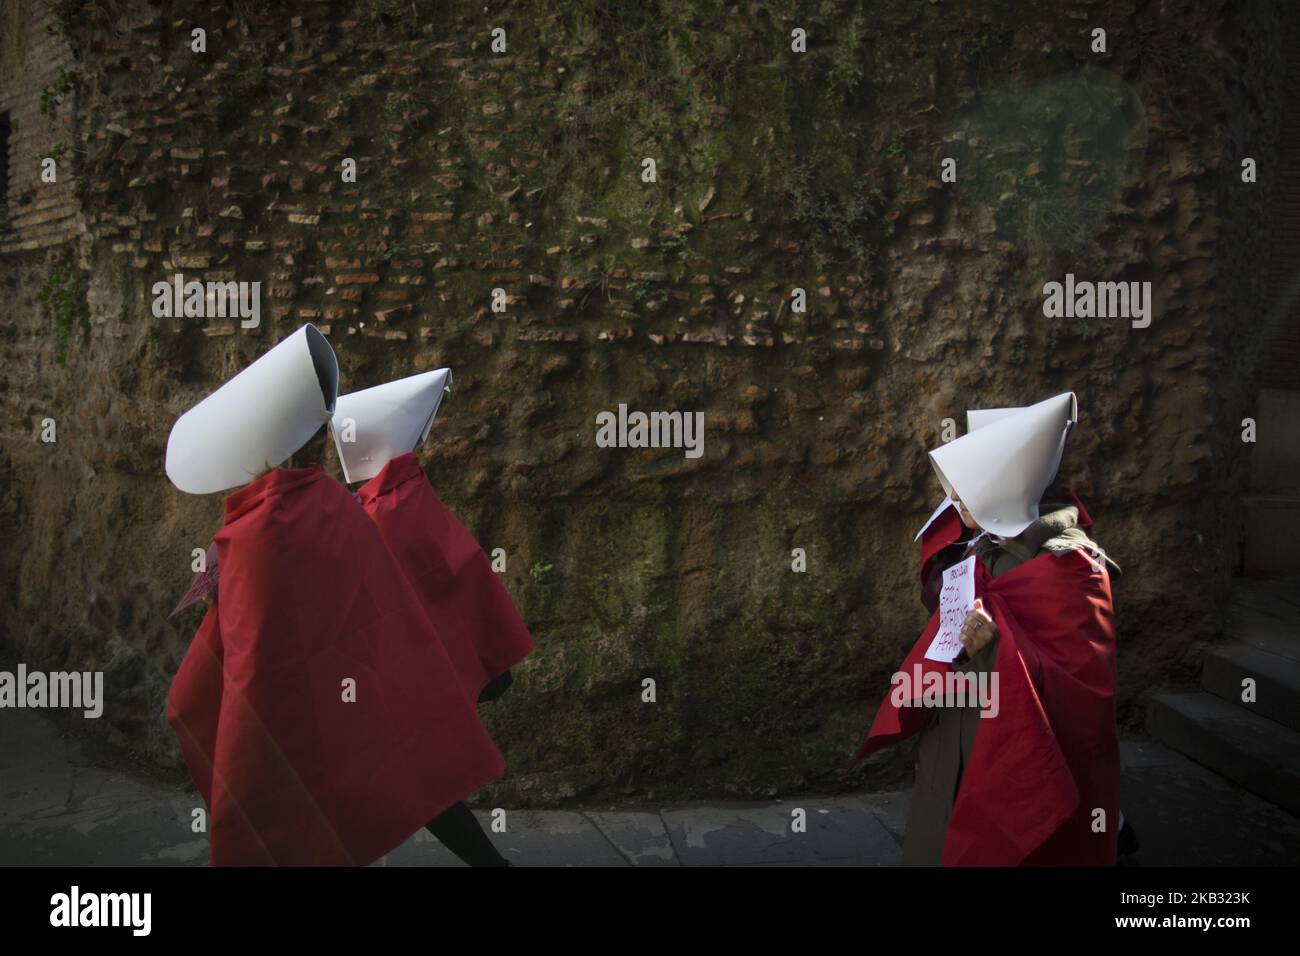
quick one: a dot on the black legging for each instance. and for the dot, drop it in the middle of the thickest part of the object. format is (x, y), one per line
(457, 828)
(460, 832)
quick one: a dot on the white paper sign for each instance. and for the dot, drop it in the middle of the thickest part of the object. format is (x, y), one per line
(956, 600)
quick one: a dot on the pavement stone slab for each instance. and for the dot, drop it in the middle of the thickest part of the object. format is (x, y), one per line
(532, 838)
(641, 837)
(58, 808)
(838, 829)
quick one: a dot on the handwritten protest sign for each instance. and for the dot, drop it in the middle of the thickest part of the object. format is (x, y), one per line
(956, 600)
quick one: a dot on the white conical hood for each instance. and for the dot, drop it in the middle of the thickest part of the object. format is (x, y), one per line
(975, 418)
(258, 418)
(1001, 468)
(375, 425)
(979, 417)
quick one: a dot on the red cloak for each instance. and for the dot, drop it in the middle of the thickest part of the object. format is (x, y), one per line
(292, 773)
(946, 528)
(1050, 758)
(476, 619)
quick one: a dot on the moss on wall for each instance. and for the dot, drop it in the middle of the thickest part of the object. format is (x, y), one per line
(521, 171)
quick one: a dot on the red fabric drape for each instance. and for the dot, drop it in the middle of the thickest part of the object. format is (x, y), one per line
(464, 597)
(292, 773)
(1040, 769)
(947, 528)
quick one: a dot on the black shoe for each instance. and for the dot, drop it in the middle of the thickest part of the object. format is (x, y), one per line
(1128, 840)
(496, 687)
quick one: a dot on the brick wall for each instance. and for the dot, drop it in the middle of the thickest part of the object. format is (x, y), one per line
(33, 55)
(520, 171)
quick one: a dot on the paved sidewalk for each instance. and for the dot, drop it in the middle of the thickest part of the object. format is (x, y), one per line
(57, 807)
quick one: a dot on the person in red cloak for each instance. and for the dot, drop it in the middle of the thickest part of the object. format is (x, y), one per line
(376, 431)
(317, 711)
(1028, 775)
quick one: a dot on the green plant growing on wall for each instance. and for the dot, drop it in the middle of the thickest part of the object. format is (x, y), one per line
(233, 96)
(52, 95)
(981, 52)
(251, 81)
(845, 72)
(661, 85)
(837, 211)
(542, 592)
(395, 249)
(639, 290)
(598, 282)
(675, 250)
(63, 301)
(397, 118)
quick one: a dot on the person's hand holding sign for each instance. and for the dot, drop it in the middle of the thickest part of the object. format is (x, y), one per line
(978, 629)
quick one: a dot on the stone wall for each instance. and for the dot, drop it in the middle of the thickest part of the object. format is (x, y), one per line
(523, 171)
(40, 107)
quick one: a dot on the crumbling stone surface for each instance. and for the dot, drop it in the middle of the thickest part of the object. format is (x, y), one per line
(523, 171)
